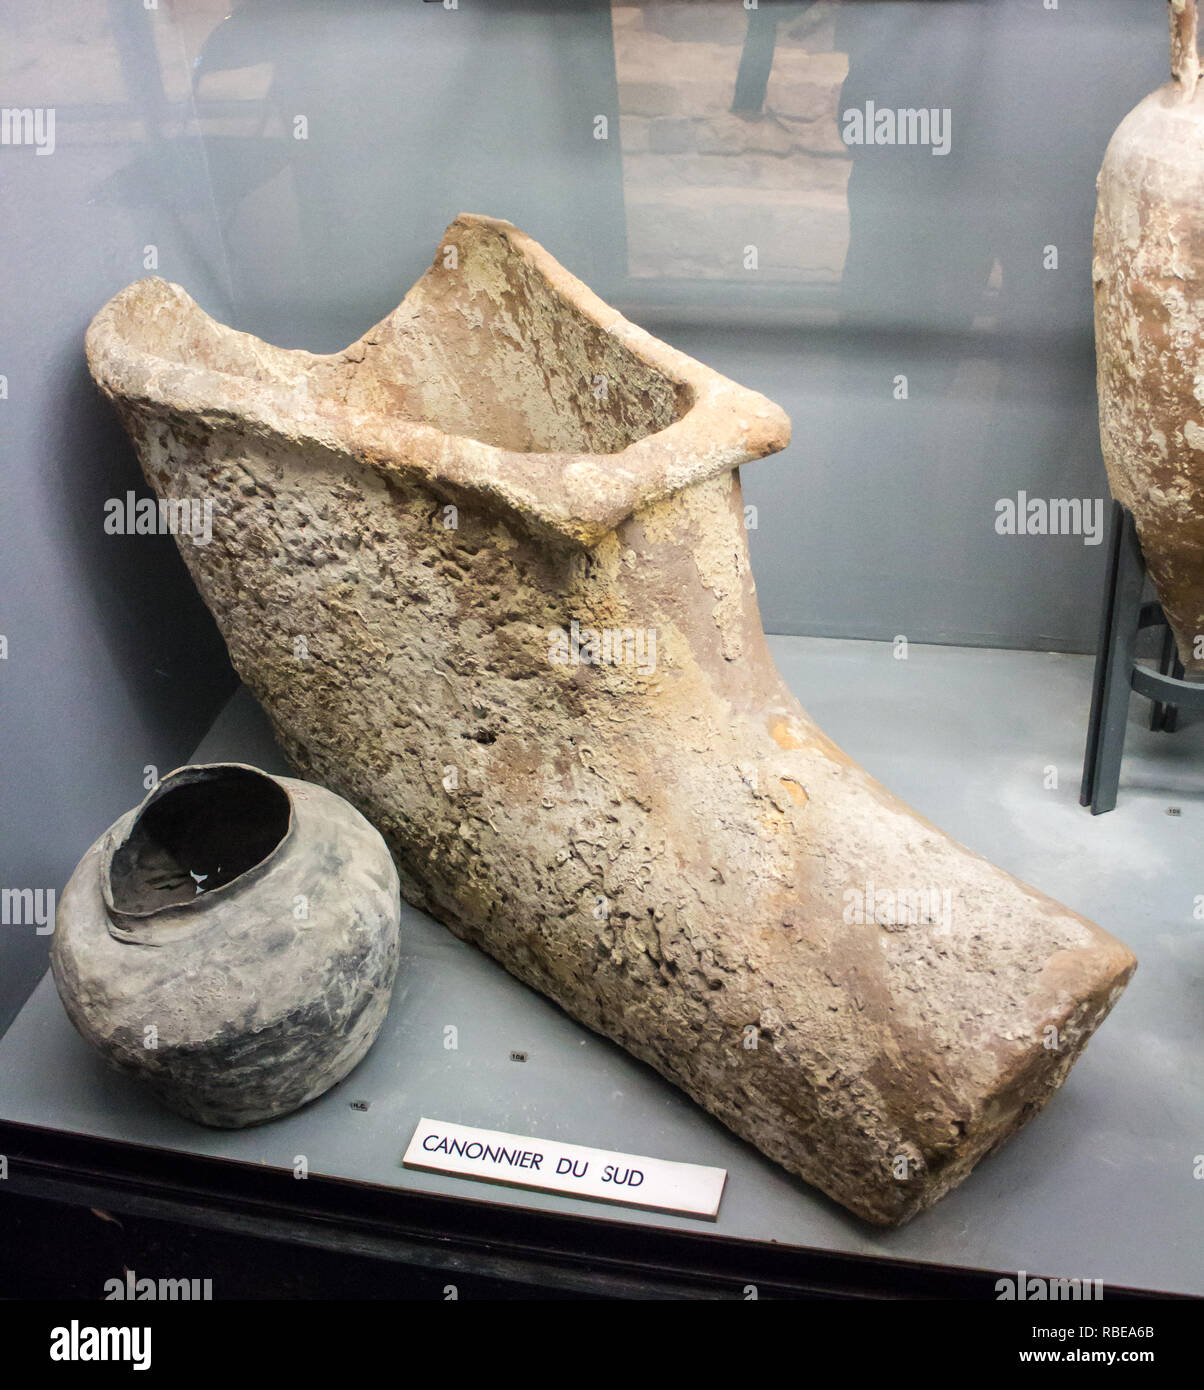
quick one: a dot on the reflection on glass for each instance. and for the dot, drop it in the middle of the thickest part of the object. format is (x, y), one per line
(732, 154)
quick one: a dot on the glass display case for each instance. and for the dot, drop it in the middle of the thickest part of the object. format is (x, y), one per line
(876, 216)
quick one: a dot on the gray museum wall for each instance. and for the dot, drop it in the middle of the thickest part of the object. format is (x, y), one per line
(112, 662)
(293, 164)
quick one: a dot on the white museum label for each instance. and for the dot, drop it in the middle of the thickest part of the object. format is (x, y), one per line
(547, 1165)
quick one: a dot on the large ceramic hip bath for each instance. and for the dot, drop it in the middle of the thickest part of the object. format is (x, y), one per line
(487, 570)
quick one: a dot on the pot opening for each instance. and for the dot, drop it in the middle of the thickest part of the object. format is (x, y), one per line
(203, 828)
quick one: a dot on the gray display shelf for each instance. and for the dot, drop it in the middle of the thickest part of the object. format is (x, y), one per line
(1101, 1185)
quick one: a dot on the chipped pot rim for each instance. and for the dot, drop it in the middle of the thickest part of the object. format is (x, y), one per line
(168, 922)
(579, 497)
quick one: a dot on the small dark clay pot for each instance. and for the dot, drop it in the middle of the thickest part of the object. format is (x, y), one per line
(231, 942)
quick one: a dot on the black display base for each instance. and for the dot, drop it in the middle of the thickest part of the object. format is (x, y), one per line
(1117, 672)
(78, 1208)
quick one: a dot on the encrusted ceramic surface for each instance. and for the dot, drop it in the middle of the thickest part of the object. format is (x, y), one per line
(488, 572)
(1149, 319)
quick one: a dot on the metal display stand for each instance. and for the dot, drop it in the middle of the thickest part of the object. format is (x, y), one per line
(1117, 672)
